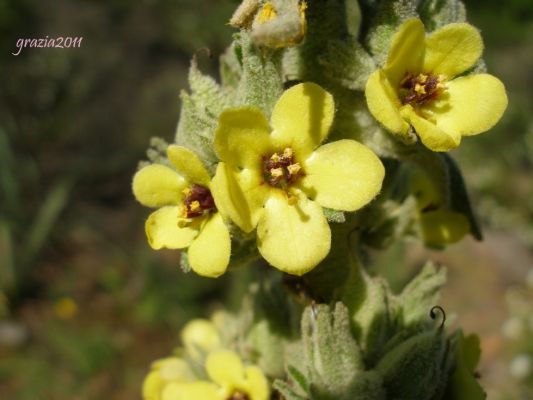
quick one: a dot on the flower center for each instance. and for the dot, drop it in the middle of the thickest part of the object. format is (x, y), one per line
(198, 201)
(417, 90)
(280, 170)
(238, 396)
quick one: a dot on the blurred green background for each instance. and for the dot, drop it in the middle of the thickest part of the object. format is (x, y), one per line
(85, 305)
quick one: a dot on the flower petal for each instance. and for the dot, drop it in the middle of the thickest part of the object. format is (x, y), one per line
(200, 333)
(162, 229)
(452, 49)
(188, 391)
(293, 238)
(406, 52)
(433, 137)
(239, 195)
(188, 164)
(257, 384)
(225, 368)
(442, 227)
(242, 137)
(384, 104)
(175, 369)
(152, 386)
(343, 175)
(302, 117)
(209, 253)
(472, 104)
(157, 185)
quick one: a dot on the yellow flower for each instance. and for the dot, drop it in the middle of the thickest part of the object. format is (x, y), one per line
(419, 86)
(439, 226)
(163, 373)
(187, 214)
(278, 180)
(200, 336)
(66, 308)
(229, 380)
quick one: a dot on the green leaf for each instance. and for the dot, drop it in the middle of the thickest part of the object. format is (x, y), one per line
(347, 63)
(334, 215)
(463, 384)
(412, 369)
(420, 295)
(459, 200)
(331, 353)
(437, 13)
(298, 377)
(261, 83)
(287, 391)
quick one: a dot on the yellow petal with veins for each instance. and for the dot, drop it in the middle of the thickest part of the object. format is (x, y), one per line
(225, 368)
(452, 49)
(432, 136)
(163, 231)
(293, 238)
(342, 175)
(209, 253)
(301, 118)
(257, 384)
(443, 227)
(200, 333)
(471, 105)
(383, 103)
(191, 390)
(188, 164)
(242, 137)
(239, 195)
(406, 53)
(157, 185)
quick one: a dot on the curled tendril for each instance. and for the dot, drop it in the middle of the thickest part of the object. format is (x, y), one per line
(433, 314)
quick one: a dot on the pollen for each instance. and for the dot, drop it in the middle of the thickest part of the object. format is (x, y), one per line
(294, 169)
(197, 202)
(420, 89)
(280, 170)
(267, 13)
(276, 172)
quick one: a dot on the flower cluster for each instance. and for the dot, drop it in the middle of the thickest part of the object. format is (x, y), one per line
(273, 178)
(422, 86)
(204, 370)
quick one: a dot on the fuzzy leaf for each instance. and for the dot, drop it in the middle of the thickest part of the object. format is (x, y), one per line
(299, 378)
(420, 295)
(199, 115)
(334, 215)
(385, 20)
(368, 300)
(347, 63)
(412, 370)
(261, 84)
(463, 384)
(437, 13)
(332, 356)
(288, 392)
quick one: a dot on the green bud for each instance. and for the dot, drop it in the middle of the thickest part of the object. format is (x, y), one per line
(413, 369)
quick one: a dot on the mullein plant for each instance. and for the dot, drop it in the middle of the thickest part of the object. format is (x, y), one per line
(326, 137)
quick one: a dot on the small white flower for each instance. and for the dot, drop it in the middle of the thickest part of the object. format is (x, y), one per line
(520, 367)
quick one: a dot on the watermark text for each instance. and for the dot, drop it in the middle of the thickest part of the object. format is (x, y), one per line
(59, 42)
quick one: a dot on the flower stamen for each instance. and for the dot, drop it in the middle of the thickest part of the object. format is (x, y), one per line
(417, 90)
(198, 201)
(280, 170)
(239, 396)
